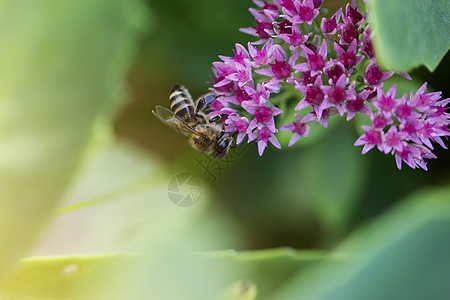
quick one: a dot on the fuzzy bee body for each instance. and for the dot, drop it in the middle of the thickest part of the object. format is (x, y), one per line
(181, 103)
(202, 132)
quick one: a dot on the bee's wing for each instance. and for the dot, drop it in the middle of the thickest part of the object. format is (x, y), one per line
(168, 117)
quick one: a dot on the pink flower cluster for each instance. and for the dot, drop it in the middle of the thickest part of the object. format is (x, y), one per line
(330, 65)
(407, 127)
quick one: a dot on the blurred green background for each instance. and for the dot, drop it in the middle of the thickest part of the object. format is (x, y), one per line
(316, 221)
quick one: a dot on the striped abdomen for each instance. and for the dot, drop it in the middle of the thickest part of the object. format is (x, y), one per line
(181, 103)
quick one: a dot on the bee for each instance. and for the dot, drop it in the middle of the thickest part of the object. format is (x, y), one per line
(202, 132)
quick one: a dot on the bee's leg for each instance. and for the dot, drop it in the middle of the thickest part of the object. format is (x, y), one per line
(218, 117)
(223, 127)
(204, 102)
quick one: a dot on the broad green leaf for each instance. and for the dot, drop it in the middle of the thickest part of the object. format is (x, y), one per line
(261, 265)
(61, 80)
(408, 33)
(66, 277)
(404, 254)
(87, 277)
(283, 253)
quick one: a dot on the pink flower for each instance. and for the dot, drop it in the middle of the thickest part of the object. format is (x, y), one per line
(222, 70)
(269, 8)
(237, 124)
(263, 56)
(241, 56)
(263, 135)
(298, 128)
(295, 38)
(264, 28)
(337, 94)
(316, 60)
(314, 95)
(394, 140)
(422, 101)
(356, 104)
(352, 14)
(371, 138)
(334, 71)
(331, 25)
(348, 57)
(260, 95)
(242, 74)
(367, 47)
(284, 26)
(281, 68)
(348, 34)
(240, 95)
(379, 120)
(374, 78)
(263, 114)
(386, 103)
(306, 12)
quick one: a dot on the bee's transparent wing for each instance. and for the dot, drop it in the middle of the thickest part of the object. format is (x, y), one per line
(168, 117)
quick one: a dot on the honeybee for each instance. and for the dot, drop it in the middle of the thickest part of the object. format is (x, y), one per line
(202, 132)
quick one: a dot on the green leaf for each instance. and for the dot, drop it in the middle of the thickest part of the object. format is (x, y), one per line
(404, 254)
(87, 277)
(408, 33)
(68, 277)
(61, 81)
(283, 253)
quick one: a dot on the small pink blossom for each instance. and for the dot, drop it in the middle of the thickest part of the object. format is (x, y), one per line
(393, 140)
(352, 14)
(331, 26)
(260, 95)
(298, 128)
(281, 68)
(235, 123)
(263, 114)
(263, 56)
(306, 12)
(241, 56)
(356, 104)
(374, 78)
(242, 74)
(295, 38)
(337, 94)
(386, 103)
(367, 47)
(316, 60)
(348, 57)
(334, 71)
(263, 135)
(371, 138)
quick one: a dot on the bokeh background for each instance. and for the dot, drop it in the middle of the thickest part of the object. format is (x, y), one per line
(315, 221)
